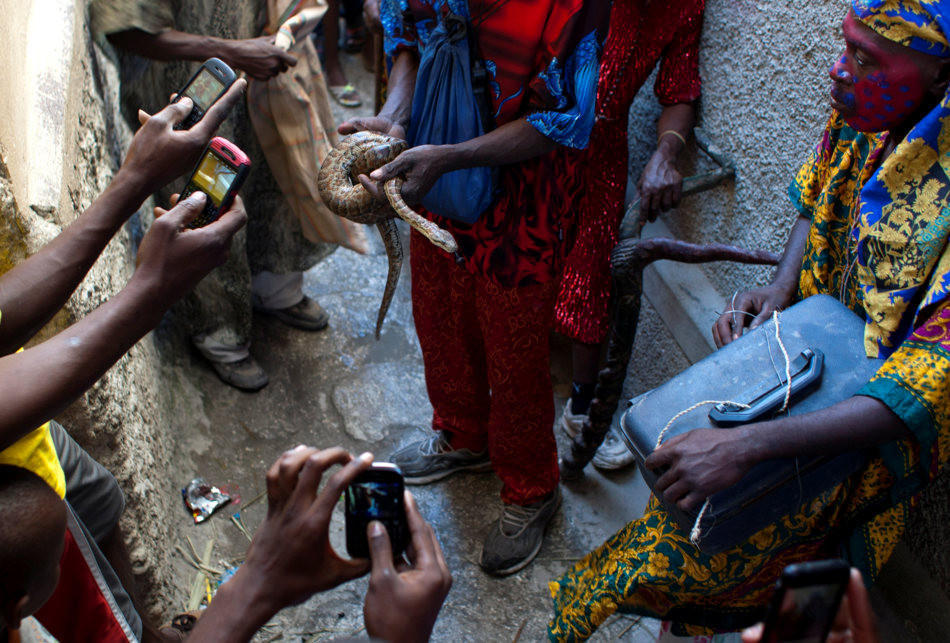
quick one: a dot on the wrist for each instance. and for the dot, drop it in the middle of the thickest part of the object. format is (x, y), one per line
(132, 186)
(248, 603)
(669, 145)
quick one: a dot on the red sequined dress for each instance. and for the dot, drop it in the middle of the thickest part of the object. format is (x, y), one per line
(642, 32)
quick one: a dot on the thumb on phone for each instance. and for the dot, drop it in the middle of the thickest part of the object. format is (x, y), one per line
(380, 552)
(187, 210)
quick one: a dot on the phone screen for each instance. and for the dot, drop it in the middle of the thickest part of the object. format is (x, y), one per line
(214, 177)
(204, 90)
(375, 500)
(805, 613)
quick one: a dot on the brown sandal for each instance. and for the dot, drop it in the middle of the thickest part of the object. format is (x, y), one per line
(180, 626)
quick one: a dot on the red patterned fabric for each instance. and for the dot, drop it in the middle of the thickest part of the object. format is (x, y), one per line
(523, 239)
(641, 33)
(77, 612)
(487, 368)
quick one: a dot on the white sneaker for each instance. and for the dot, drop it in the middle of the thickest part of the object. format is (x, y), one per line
(571, 423)
(613, 453)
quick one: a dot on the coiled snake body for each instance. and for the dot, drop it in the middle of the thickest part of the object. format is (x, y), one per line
(342, 192)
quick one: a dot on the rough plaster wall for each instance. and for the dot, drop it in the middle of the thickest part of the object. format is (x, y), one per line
(122, 420)
(765, 101)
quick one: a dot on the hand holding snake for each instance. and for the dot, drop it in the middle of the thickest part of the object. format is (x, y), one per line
(345, 193)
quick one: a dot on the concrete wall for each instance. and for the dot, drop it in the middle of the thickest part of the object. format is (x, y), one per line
(765, 101)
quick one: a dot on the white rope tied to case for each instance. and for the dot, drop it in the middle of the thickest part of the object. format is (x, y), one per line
(696, 532)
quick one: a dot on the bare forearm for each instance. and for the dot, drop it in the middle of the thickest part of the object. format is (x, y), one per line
(42, 381)
(680, 119)
(511, 143)
(790, 265)
(238, 610)
(402, 84)
(170, 45)
(33, 291)
(856, 423)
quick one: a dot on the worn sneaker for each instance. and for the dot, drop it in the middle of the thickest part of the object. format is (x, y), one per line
(434, 458)
(613, 453)
(305, 315)
(245, 374)
(516, 538)
(571, 423)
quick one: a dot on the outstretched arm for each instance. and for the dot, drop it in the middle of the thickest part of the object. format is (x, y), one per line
(258, 57)
(33, 291)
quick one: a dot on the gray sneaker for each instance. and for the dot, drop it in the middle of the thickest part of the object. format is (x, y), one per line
(516, 538)
(434, 458)
(245, 374)
(613, 453)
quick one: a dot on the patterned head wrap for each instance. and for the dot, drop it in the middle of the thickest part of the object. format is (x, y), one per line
(918, 24)
(904, 224)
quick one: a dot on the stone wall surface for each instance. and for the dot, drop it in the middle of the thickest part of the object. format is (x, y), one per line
(765, 66)
(122, 420)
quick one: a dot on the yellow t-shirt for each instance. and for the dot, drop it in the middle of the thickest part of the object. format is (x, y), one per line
(35, 452)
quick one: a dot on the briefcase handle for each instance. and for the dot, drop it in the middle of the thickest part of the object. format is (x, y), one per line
(806, 371)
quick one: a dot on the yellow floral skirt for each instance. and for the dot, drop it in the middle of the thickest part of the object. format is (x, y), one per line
(650, 567)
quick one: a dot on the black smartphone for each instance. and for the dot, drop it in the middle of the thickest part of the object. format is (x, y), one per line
(806, 602)
(219, 174)
(208, 84)
(376, 494)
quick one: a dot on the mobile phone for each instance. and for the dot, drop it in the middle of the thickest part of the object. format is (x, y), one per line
(376, 494)
(806, 602)
(208, 84)
(219, 174)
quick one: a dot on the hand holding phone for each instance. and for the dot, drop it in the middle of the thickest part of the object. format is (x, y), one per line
(159, 154)
(806, 601)
(208, 84)
(377, 494)
(403, 601)
(220, 173)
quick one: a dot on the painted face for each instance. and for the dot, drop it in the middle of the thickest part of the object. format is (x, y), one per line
(874, 89)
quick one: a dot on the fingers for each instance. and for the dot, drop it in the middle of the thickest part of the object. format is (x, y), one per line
(143, 117)
(675, 491)
(422, 541)
(662, 457)
(339, 481)
(666, 198)
(287, 59)
(692, 501)
(739, 314)
(380, 552)
(677, 192)
(173, 113)
(859, 607)
(389, 171)
(373, 188)
(231, 221)
(354, 125)
(763, 316)
(186, 211)
(216, 114)
(753, 634)
(311, 472)
(282, 476)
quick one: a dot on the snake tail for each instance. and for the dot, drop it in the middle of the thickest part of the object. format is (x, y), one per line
(390, 234)
(432, 232)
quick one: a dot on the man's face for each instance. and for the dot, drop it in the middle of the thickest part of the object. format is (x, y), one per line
(877, 84)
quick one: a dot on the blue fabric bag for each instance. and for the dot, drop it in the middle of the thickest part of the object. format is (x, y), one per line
(446, 110)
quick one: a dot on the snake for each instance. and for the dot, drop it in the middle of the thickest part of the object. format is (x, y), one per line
(344, 195)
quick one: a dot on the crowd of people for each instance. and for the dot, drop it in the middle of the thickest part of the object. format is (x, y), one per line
(872, 231)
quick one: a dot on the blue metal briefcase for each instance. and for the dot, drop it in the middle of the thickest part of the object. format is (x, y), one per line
(825, 344)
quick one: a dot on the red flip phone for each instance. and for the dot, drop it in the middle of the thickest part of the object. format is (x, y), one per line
(219, 174)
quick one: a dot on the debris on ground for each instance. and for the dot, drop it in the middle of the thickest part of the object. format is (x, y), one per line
(203, 499)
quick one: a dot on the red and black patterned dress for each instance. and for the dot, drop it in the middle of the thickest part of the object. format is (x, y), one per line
(483, 324)
(642, 32)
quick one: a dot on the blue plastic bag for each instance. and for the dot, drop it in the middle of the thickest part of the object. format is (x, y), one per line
(445, 111)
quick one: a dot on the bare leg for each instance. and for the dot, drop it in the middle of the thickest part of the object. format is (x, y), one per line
(586, 362)
(331, 45)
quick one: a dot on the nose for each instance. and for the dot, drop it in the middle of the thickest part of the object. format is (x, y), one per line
(839, 72)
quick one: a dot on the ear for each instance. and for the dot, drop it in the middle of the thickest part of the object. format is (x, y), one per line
(14, 611)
